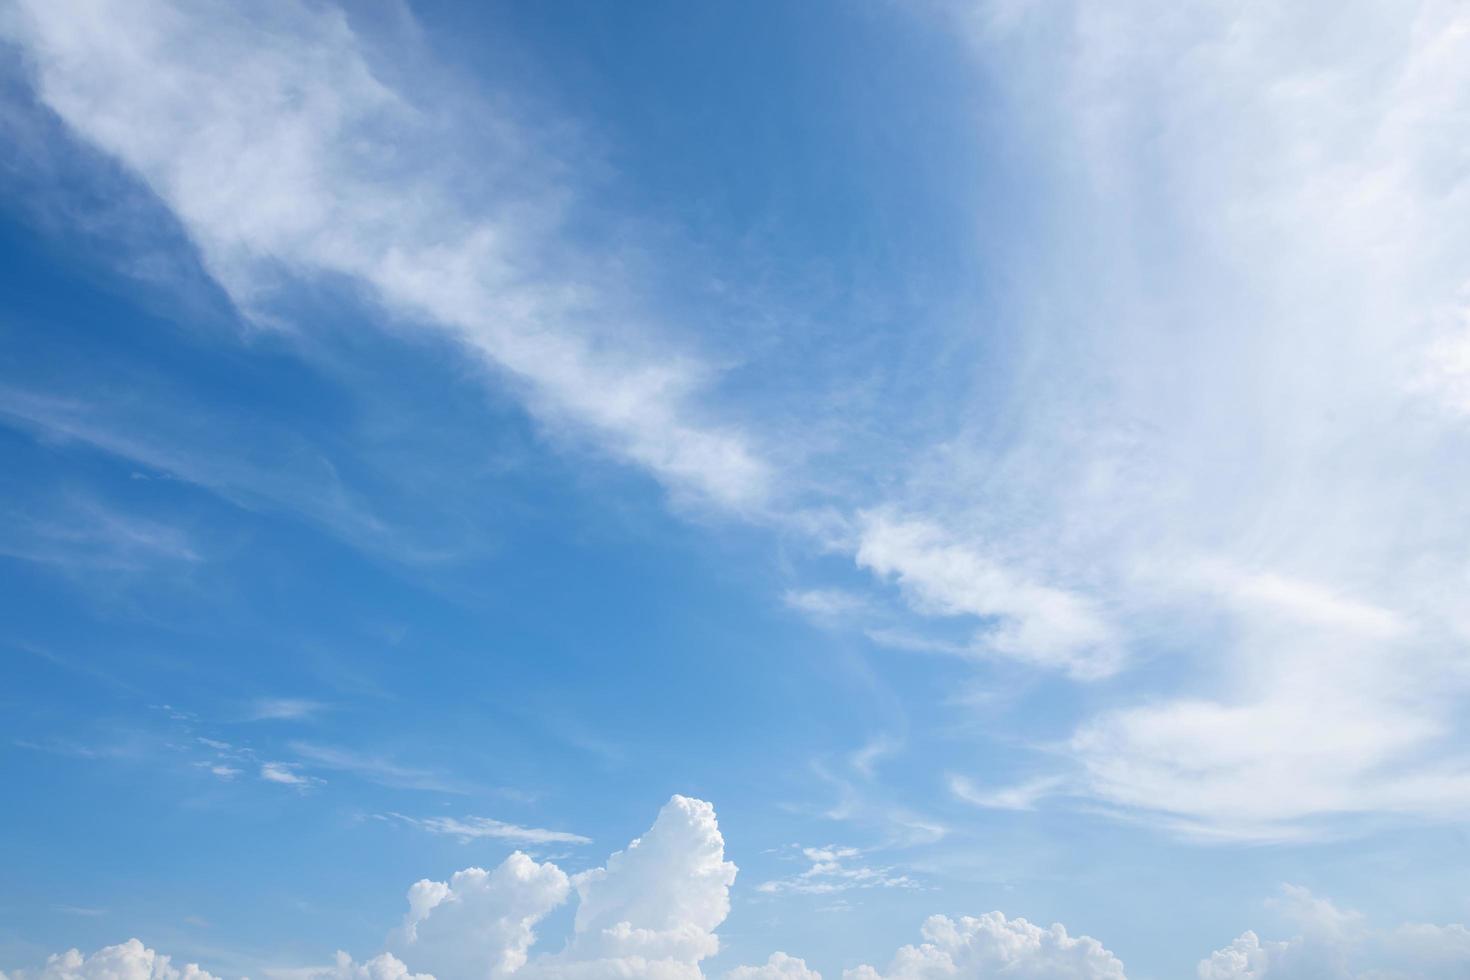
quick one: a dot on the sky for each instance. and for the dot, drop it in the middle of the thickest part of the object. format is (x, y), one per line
(747, 491)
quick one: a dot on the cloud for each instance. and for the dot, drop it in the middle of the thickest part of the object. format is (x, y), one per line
(284, 773)
(653, 910)
(126, 961)
(1034, 622)
(1233, 429)
(1223, 419)
(831, 872)
(1338, 944)
(825, 605)
(475, 828)
(283, 709)
(286, 156)
(778, 967)
(384, 772)
(865, 760)
(152, 424)
(79, 533)
(384, 966)
(479, 923)
(994, 946)
(1023, 796)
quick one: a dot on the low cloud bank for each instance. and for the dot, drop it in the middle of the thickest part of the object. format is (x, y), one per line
(653, 910)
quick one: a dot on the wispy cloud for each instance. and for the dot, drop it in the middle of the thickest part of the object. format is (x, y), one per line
(1022, 796)
(376, 769)
(466, 829)
(317, 137)
(285, 773)
(1261, 373)
(77, 532)
(221, 770)
(834, 869)
(1032, 621)
(82, 910)
(283, 709)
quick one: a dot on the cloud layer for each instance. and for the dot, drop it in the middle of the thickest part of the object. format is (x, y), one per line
(653, 912)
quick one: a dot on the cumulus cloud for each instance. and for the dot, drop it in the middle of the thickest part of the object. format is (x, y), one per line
(384, 966)
(778, 967)
(994, 946)
(479, 923)
(651, 913)
(126, 961)
(1340, 944)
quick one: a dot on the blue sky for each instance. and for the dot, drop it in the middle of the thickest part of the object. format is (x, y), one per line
(923, 472)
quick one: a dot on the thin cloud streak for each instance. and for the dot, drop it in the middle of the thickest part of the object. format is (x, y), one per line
(466, 829)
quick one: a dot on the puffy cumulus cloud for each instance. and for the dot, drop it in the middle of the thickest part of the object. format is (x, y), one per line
(1337, 944)
(479, 922)
(134, 961)
(644, 926)
(778, 967)
(384, 966)
(994, 946)
(650, 912)
(653, 910)
(125, 961)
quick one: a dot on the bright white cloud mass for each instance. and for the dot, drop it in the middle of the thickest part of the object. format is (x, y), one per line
(1010, 452)
(652, 912)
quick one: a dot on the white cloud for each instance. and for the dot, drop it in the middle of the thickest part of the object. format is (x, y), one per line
(652, 912)
(384, 966)
(826, 605)
(831, 870)
(865, 760)
(994, 946)
(778, 967)
(1034, 622)
(78, 533)
(1237, 382)
(284, 773)
(479, 923)
(284, 155)
(475, 828)
(1023, 796)
(375, 768)
(283, 709)
(1226, 434)
(126, 961)
(1341, 945)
